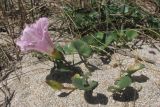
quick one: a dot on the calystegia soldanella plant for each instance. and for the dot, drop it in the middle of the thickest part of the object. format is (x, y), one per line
(35, 37)
(98, 27)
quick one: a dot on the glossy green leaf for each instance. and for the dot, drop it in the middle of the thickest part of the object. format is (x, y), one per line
(69, 49)
(120, 84)
(123, 82)
(54, 84)
(82, 47)
(131, 34)
(82, 84)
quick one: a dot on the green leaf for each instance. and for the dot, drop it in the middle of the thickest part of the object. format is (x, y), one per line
(54, 84)
(132, 69)
(93, 39)
(99, 35)
(82, 84)
(131, 34)
(69, 49)
(82, 47)
(123, 82)
(110, 38)
(89, 39)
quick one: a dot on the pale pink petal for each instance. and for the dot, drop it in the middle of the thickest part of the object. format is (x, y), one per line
(22, 45)
(40, 26)
(36, 37)
(29, 34)
(47, 38)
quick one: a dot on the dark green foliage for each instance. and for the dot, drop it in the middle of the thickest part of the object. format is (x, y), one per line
(83, 20)
(110, 17)
(95, 39)
(82, 48)
(110, 38)
(131, 34)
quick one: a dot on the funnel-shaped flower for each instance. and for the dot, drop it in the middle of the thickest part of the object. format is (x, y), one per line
(36, 37)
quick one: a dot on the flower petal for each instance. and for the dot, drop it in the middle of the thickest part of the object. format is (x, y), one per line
(36, 37)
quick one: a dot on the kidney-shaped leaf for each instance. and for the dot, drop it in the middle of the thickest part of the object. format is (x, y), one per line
(99, 35)
(131, 34)
(82, 84)
(69, 49)
(89, 39)
(82, 47)
(123, 82)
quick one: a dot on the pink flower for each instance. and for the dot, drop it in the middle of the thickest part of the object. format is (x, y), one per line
(36, 37)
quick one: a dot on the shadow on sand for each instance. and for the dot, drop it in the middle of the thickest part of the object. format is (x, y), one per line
(98, 99)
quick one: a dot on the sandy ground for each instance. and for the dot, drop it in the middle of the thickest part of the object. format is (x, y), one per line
(32, 91)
